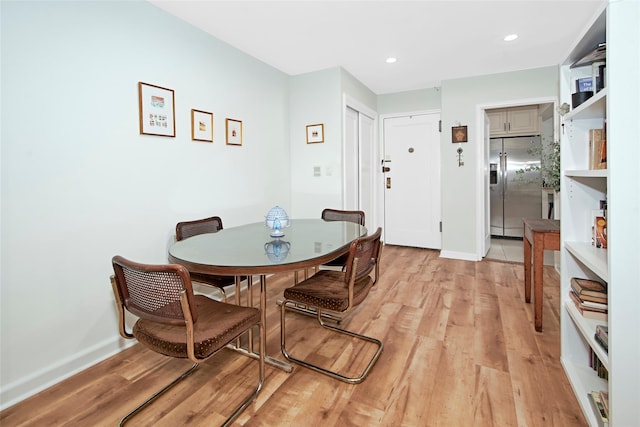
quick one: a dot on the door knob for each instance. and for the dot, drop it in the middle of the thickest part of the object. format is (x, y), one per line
(385, 169)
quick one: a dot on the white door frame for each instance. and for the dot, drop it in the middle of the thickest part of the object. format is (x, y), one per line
(481, 194)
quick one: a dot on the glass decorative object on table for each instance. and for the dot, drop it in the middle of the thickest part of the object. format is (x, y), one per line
(277, 219)
(277, 250)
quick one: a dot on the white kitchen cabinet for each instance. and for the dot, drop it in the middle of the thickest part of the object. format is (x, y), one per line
(514, 121)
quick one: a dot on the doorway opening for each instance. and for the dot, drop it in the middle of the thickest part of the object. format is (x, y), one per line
(515, 138)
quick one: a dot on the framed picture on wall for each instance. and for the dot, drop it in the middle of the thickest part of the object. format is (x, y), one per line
(157, 110)
(201, 126)
(234, 132)
(315, 133)
(459, 134)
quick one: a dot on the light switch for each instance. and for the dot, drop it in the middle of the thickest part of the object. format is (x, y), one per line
(316, 171)
(328, 170)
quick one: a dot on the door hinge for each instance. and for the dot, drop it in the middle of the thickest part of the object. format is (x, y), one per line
(441, 226)
(440, 126)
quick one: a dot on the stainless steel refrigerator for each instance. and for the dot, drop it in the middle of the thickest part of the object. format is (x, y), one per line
(514, 196)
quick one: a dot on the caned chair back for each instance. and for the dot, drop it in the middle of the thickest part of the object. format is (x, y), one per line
(343, 215)
(200, 226)
(154, 292)
(365, 250)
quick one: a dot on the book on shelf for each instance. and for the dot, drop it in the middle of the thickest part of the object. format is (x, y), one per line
(596, 364)
(584, 84)
(598, 229)
(588, 287)
(604, 397)
(602, 342)
(598, 409)
(597, 149)
(603, 331)
(589, 291)
(588, 313)
(602, 336)
(588, 305)
(594, 305)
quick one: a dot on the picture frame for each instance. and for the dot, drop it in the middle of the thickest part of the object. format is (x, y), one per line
(201, 126)
(157, 110)
(459, 134)
(315, 133)
(234, 131)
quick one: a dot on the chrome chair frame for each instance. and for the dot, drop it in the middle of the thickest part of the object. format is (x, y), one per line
(354, 274)
(190, 318)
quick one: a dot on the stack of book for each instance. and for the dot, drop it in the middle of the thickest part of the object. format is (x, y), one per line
(602, 336)
(600, 402)
(590, 298)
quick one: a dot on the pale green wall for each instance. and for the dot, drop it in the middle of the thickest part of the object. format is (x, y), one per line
(80, 185)
(410, 101)
(354, 89)
(318, 98)
(461, 100)
(315, 99)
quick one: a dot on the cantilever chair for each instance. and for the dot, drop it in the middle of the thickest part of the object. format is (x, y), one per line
(341, 215)
(201, 226)
(336, 292)
(174, 322)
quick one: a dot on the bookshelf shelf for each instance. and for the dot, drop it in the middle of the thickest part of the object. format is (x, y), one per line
(593, 108)
(587, 173)
(588, 329)
(583, 378)
(593, 258)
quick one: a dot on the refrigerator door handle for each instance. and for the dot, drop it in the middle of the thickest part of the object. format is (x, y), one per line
(501, 173)
(504, 174)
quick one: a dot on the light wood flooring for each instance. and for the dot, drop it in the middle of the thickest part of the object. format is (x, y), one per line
(460, 350)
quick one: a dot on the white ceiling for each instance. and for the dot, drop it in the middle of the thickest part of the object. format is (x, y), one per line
(433, 40)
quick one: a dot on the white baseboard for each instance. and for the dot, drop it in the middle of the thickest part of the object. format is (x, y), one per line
(466, 256)
(46, 377)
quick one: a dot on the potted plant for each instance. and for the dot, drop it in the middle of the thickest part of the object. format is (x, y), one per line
(549, 167)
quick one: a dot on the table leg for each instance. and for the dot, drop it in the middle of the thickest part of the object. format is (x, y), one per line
(250, 304)
(538, 262)
(249, 351)
(527, 268)
(285, 366)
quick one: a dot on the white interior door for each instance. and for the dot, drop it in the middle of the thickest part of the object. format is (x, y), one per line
(412, 198)
(359, 172)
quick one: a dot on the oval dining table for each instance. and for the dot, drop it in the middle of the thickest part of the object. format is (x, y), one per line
(249, 250)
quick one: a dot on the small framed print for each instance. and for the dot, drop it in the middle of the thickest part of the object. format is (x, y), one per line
(315, 133)
(157, 110)
(459, 134)
(234, 132)
(201, 126)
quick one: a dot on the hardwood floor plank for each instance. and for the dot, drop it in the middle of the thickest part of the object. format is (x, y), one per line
(493, 404)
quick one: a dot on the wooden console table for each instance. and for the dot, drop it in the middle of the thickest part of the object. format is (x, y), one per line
(541, 235)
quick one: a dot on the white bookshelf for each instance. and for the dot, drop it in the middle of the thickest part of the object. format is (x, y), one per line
(582, 190)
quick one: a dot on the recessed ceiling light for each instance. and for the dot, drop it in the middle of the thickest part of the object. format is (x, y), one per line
(510, 37)
(391, 60)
